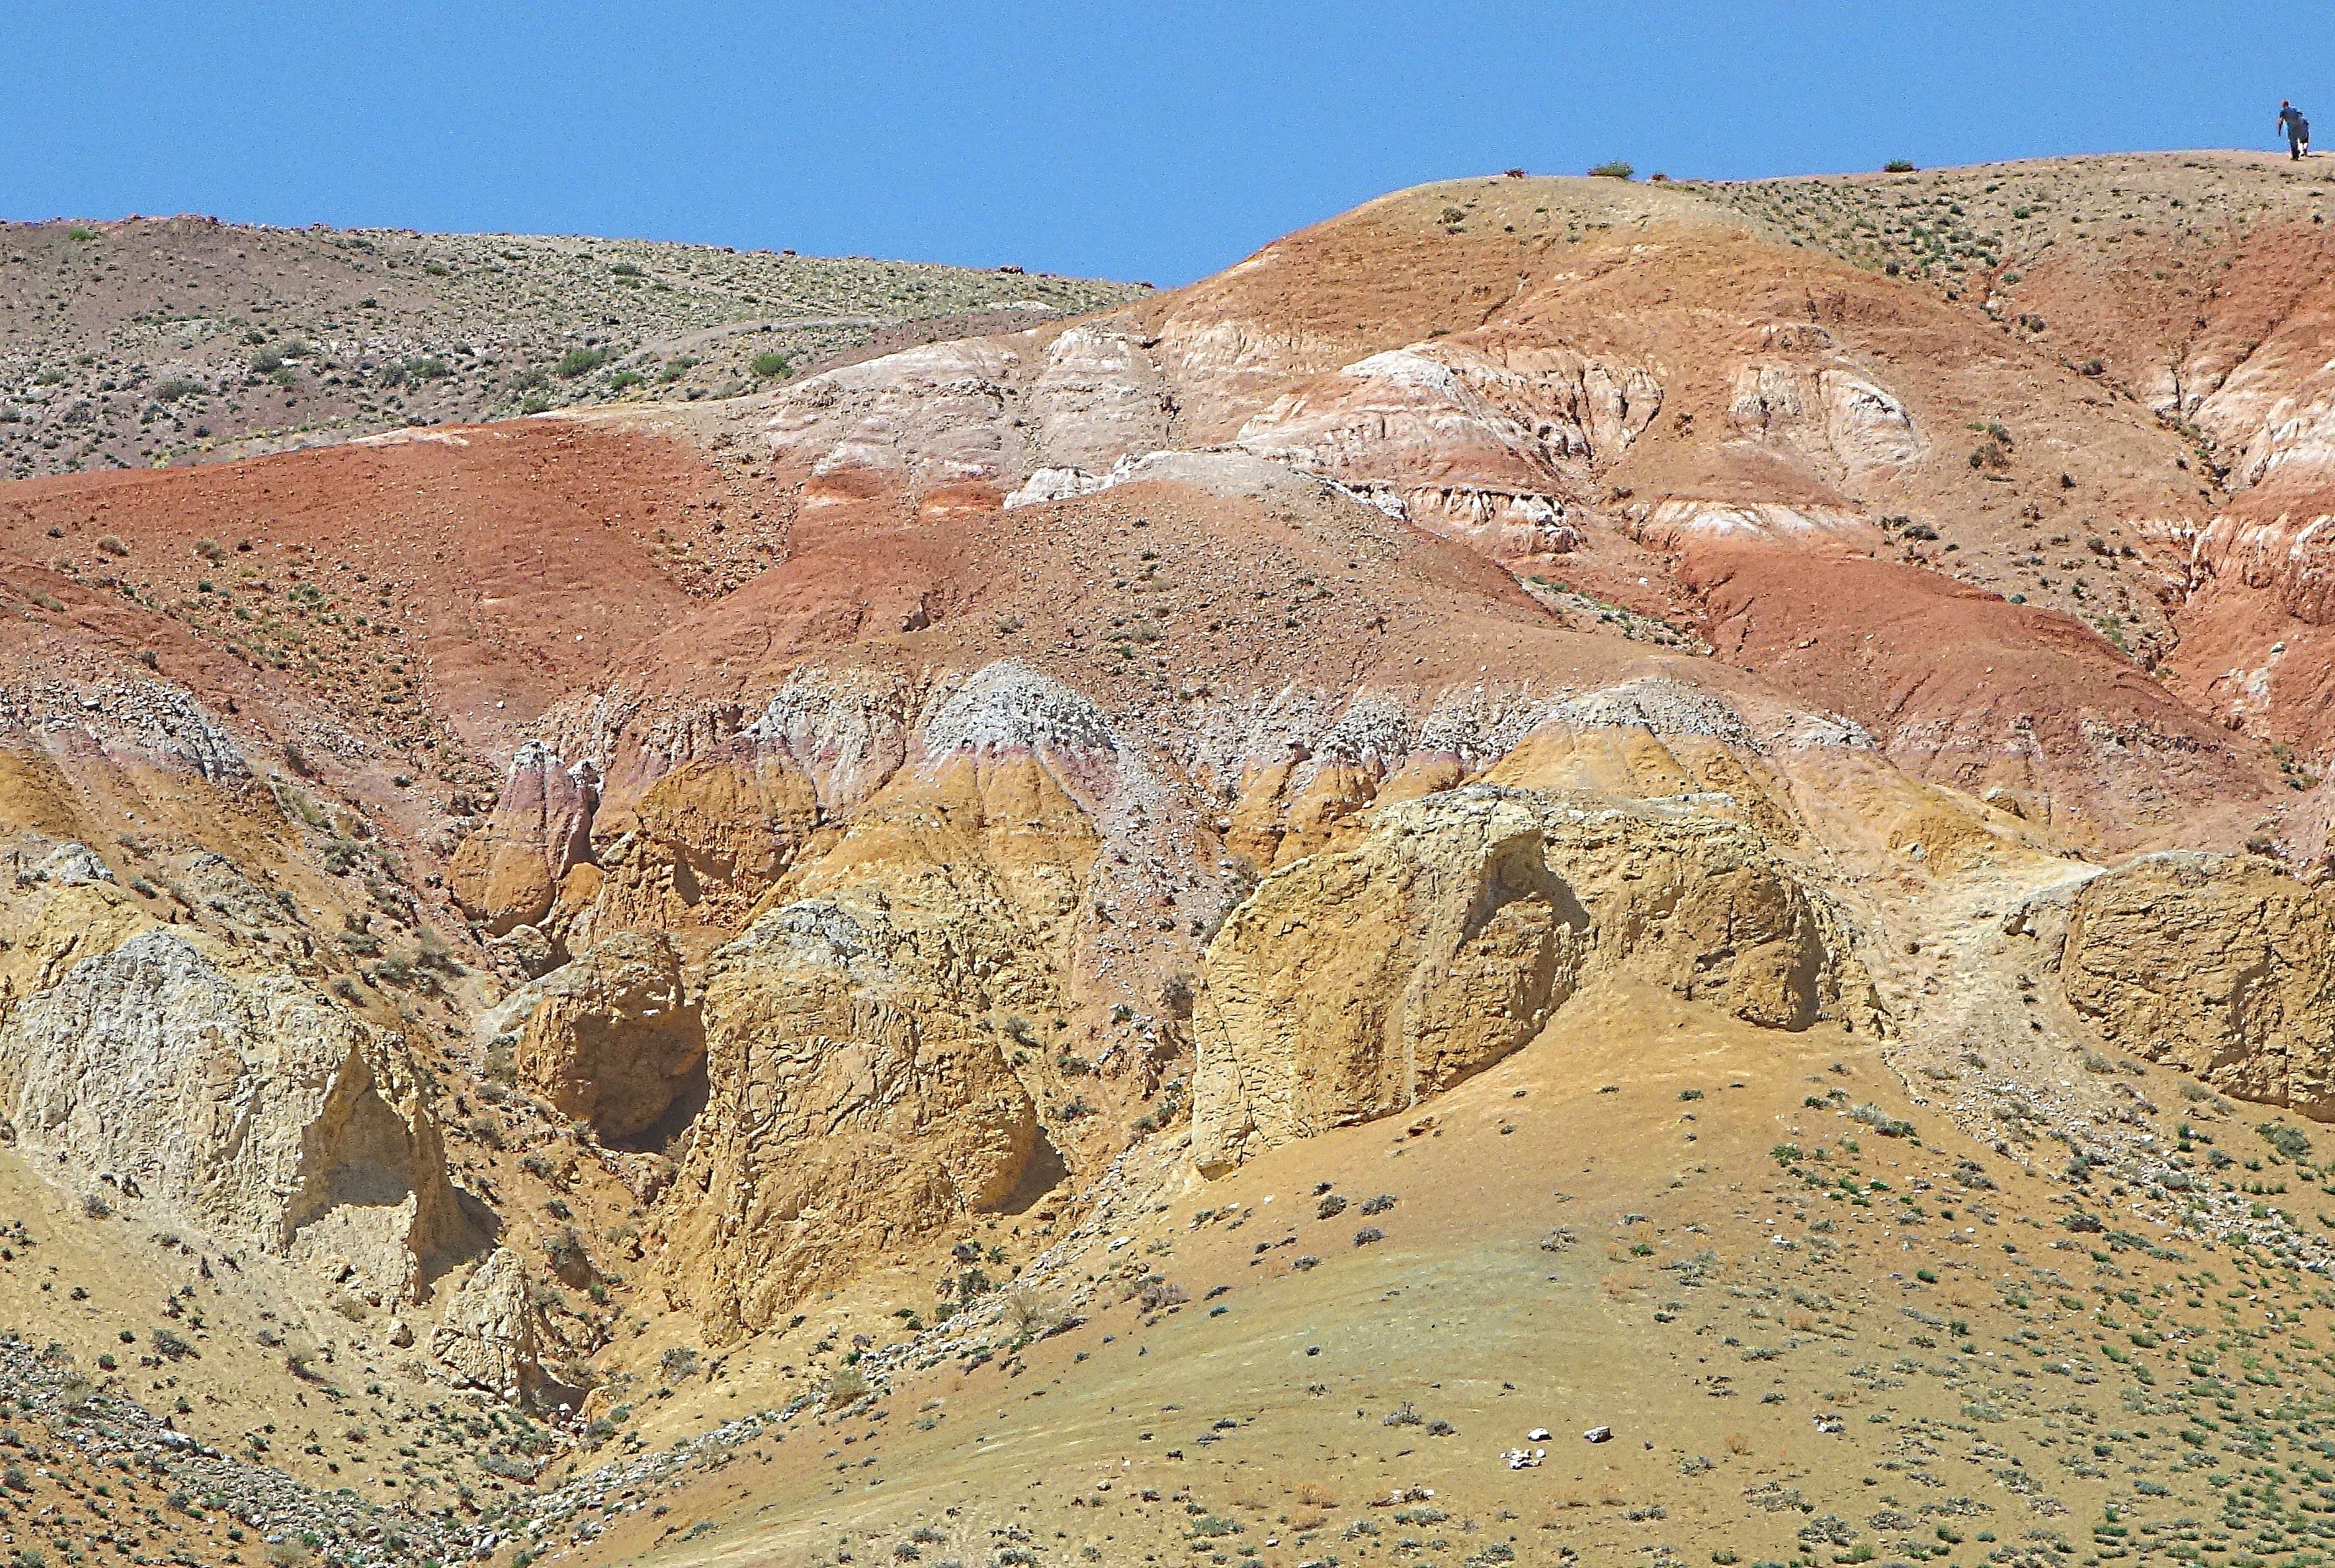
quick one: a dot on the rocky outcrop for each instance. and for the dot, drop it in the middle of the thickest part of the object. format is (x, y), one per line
(132, 718)
(1226, 474)
(2288, 556)
(1008, 706)
(249, 1104)
(611, 1036)
(703, 842)
(853, 1108)
(1097, 398)
(1677, 522)
(1483, 444)
(1485, 413)
(1513, 525)
(2221, 965)
(857, 1095)
(1836, 419)
(932, 415)
(1355, 983)
(491, 1334)
(508, 873)
(846, 729)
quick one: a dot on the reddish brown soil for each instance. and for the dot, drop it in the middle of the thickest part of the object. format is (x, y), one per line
(1244, 596)
(1965, 688)
(505, 564)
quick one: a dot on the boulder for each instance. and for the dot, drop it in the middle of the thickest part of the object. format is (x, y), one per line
(508, 873)
(490, 1335)
(611, 1036)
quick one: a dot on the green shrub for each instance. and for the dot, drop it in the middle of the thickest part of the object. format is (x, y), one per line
(578, 362)
(1881, 1121)
(845, 1385)
(1615, 169)
(431, 951)
(767, 365)
(1898, 166)
(2287, 1140)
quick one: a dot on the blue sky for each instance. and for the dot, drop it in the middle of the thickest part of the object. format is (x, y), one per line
(1157, 141)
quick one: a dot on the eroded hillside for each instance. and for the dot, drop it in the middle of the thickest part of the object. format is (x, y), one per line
(1215, 929)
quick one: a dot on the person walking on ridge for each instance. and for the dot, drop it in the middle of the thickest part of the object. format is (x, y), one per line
(2297, 130)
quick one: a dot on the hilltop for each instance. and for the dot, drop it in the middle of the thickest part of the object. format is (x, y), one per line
(143, 341)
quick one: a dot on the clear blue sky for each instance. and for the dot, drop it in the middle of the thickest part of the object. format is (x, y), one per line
(1156, 141)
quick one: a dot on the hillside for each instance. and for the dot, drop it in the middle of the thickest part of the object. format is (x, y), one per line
(1215, 929)
(142, 342)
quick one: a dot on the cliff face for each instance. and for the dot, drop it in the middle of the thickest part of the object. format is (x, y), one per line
(856, 1110)
(2217, 965)
(1355, 983)
(246, 1103)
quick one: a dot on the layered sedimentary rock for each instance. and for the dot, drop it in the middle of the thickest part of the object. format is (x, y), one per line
(1098, 398)
(2219, 965)
(1524, 415)
(1356, 982)
(858, 1092)
(933, 415)
(508, 875)
(1485, 443)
